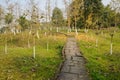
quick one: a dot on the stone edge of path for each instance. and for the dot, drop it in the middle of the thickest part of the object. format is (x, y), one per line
(61, 64)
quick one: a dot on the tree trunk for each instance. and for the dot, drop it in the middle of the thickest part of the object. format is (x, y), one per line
(14, 32)
(37, 33)
(55, 37)
(47, 46)
(34, 51)
(57, 29)
(28, 43)
(50, 28)
(34, 48)
(86, 30)
(96, 42)
(45, 34)
(111, 46)
(76, 31)
(6, 48)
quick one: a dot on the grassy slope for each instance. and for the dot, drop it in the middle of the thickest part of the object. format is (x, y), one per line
(101, 64)
(19, 63)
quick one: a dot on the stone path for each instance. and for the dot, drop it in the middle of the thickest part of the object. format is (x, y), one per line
(74, 65)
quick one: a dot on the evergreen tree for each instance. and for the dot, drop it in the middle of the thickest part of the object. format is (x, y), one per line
(57, 17)
(86, 13)
(93, 10)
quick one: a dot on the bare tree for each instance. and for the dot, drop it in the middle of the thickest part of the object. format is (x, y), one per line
(49, 10)
(48, 18)
(1, 14)
(34, 20)
(67, 10)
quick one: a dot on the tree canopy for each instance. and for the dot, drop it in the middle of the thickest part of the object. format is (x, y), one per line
(92, 14)
(8, 18)
(23, 22)
(57, 17)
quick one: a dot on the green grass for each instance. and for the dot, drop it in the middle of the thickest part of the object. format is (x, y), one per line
(101, 65)
(19, 63)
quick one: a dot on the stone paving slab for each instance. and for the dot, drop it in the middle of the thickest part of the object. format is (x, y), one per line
(74, 65)
(68, 76)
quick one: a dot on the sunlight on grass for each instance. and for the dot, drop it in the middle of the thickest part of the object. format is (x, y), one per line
(101, 64)
(19, 62)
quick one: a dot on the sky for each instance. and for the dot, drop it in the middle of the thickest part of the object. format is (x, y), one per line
(43, 2)
(40, 4)
(105, 2)
(60, 3)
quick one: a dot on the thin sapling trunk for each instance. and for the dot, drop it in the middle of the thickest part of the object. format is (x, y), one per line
(97, 33)
(6, 48)
(111, 44)
(34, 50)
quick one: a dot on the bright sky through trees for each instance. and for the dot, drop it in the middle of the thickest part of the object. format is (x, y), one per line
(105, 2)
(42, 3)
